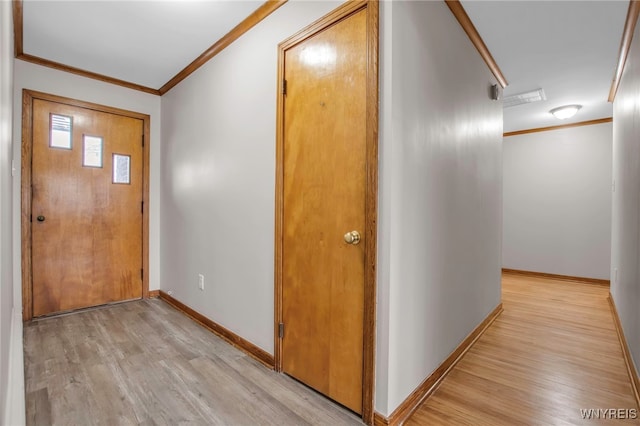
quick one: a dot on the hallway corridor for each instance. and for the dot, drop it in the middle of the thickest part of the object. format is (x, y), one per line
(553, 352)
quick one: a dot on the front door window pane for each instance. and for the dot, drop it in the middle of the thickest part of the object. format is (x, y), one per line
(92, 151)
(60, 136)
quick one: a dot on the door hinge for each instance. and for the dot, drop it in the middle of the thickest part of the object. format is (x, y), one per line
(143, 139)
(284, 87)
(142, 207)
(142, 274)
(281, 330)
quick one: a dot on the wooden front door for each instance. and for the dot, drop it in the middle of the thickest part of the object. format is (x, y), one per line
(324, 183)
(86, 207)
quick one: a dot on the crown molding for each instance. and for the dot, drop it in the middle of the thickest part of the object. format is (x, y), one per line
(561, 126)
(465, 22)
(249, 22)
(625, 45)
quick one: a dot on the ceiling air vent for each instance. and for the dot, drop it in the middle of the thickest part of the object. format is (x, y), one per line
(523, 98)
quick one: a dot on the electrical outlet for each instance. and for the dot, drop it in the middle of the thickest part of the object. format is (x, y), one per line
(201, 282)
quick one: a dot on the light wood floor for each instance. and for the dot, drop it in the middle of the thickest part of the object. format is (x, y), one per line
(553, 351)
(145, 363)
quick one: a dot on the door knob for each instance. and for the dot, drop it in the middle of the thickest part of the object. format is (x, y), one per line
(352, 237)
(40, 218)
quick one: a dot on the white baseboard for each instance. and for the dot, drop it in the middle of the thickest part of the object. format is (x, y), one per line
(14, 414)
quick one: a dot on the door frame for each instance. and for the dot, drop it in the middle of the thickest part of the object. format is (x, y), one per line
(371, 191)
(28, 97)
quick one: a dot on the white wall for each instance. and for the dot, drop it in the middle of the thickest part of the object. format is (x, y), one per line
(440, 195)
(48, 80)
(625, 239)
(7, 322)
(385, 145)
(218, 179)
(557, 201)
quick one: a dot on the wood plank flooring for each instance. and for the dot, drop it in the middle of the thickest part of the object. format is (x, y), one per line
(552, 352)
(145, 363)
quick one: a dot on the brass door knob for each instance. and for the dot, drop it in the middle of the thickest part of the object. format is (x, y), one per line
(352, 237)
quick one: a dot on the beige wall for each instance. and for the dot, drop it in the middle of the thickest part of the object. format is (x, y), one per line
(625, 236)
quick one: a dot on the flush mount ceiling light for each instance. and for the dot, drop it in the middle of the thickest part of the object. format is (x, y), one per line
(564, 112)
(524, 98)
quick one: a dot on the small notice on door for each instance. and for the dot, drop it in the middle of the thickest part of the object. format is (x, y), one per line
(92, 154)
(121, 168)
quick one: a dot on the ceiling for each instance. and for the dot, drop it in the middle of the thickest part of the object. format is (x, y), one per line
(142, 42)
(567, 48)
